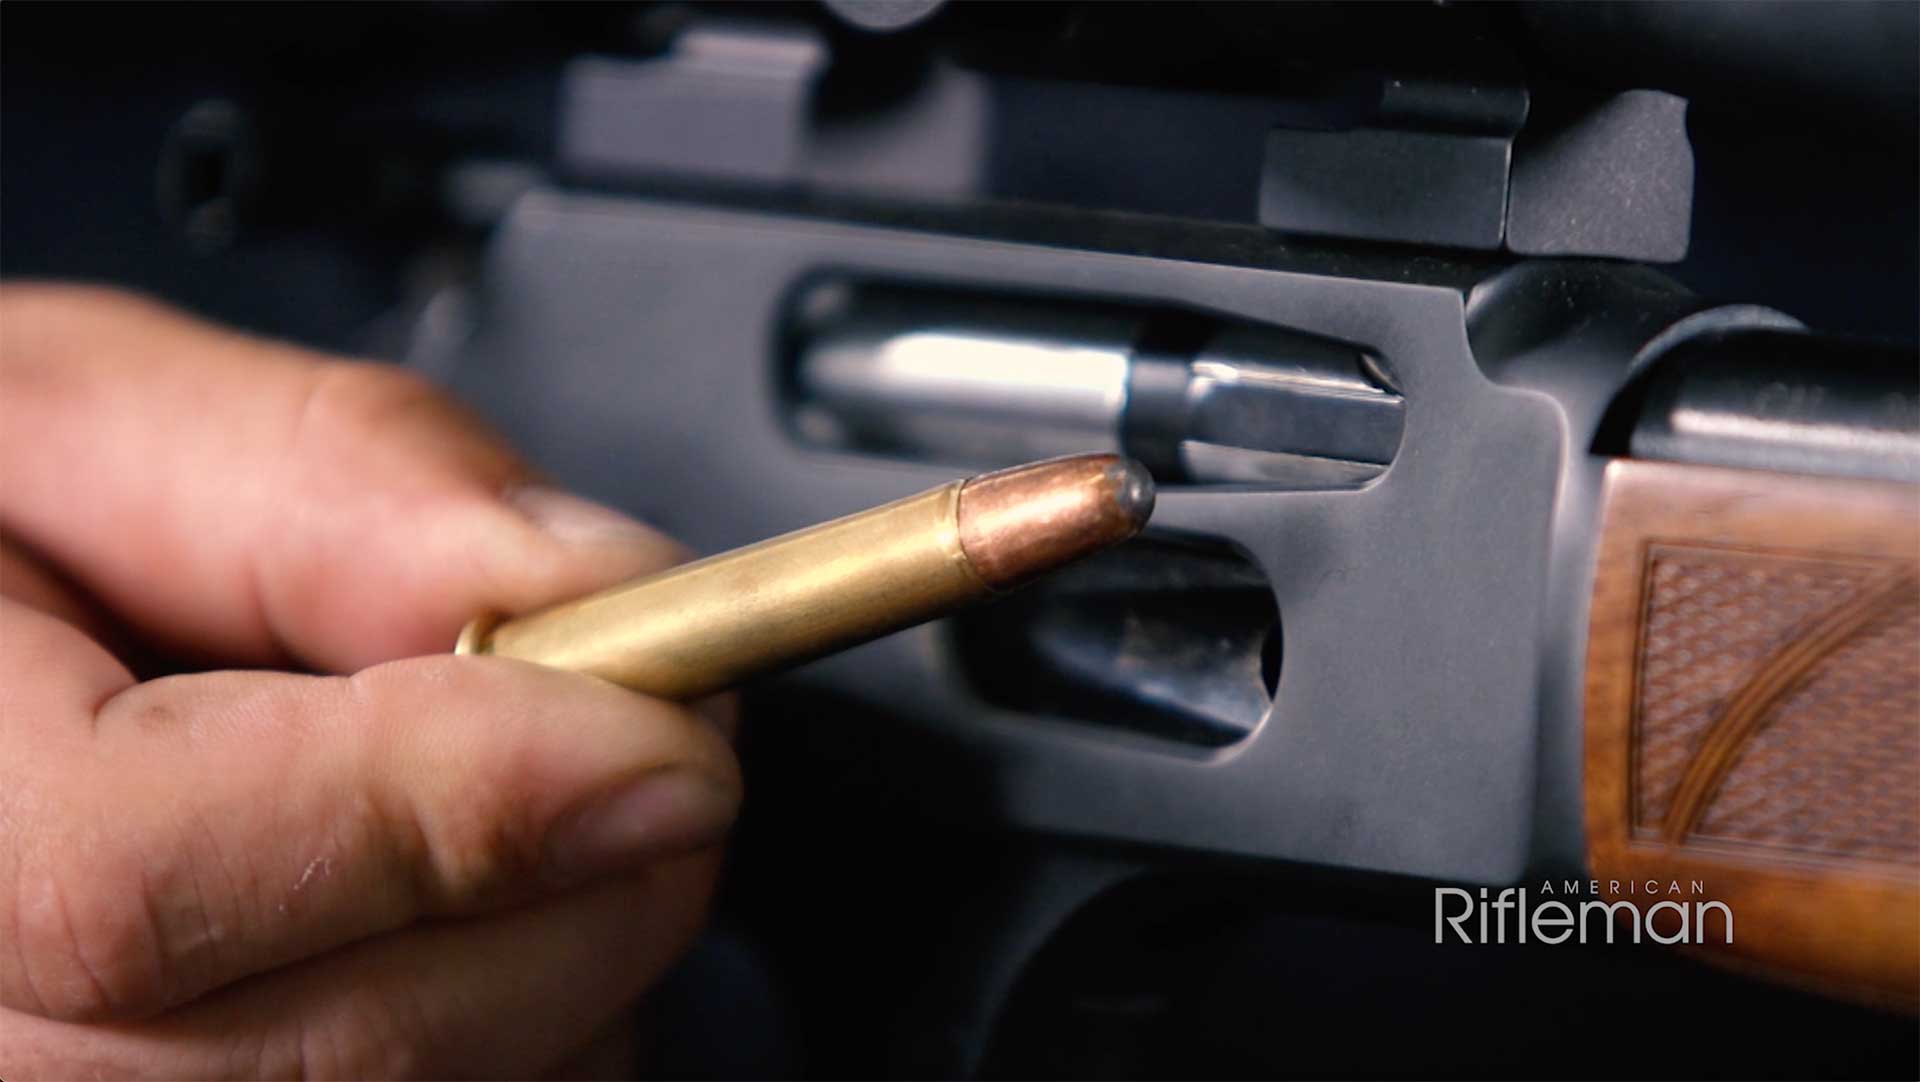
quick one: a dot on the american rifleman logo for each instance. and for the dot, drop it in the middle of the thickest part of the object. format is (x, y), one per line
(1665, 912)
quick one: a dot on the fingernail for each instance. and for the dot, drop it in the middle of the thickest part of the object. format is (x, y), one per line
(660, 814)
(574, 518)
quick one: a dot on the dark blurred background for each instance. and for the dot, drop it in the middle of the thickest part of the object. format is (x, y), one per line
(351, 141)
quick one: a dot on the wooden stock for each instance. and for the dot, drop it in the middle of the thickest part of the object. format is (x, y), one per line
(1753, 714)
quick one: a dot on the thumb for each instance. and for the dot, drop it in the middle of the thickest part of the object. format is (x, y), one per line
(208, 827)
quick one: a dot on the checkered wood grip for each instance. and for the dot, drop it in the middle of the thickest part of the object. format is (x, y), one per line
(1753, 712)
(1825, 759)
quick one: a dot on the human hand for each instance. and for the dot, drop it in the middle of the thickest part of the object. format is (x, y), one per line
(435, 866)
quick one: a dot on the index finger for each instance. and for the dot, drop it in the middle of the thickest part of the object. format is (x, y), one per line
(262, 504)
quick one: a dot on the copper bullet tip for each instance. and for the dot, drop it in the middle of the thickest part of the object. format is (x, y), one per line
(1020, 523)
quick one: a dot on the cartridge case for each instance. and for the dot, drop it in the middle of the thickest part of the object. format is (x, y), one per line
(704, 626)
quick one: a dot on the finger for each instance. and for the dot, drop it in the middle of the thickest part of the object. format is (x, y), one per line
(27, 579)
(261, 504)
(51, 673)
(615, 1052)
(212, 826)
(512, 995)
